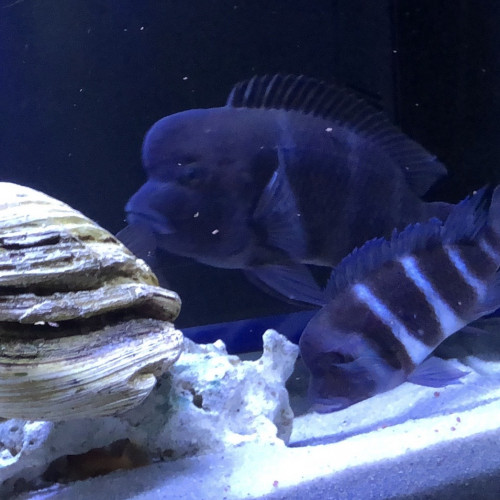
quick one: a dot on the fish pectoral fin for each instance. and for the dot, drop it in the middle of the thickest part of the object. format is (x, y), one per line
(139, 239)
(292, 283)
(436, 372)
(277, 214)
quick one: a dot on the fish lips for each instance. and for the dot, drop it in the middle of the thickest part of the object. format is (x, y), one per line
(150, 205)
(340, 387)
(156, 222)
(331, 405)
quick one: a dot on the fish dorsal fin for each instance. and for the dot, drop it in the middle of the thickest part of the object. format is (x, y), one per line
(343, 107)
(468, 217)
(463, 224)
(379, 251)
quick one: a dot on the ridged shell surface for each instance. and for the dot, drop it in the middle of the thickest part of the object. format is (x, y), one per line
(84, 327)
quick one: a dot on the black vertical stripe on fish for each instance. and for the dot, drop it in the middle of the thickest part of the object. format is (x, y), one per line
(439, 259)
(411, 348)
(464, 258)
(450, 322)
(409, 305)
(444, 276)
(476, 262)
(360, 317)
(378, 357)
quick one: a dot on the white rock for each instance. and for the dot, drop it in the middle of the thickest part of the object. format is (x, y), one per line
(208, 402)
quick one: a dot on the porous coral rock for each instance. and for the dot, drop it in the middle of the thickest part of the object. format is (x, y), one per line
(209, 401)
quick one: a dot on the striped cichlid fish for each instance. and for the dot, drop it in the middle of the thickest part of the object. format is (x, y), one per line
(290, 172)
(391, 302)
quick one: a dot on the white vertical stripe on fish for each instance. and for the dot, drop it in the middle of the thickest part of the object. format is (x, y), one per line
(489, 250)
(461, 267)
(449, 321)
(416, 350)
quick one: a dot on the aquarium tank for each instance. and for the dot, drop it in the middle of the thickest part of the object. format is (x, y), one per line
(305, 192)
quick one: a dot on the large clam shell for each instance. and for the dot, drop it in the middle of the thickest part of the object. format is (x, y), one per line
(84, 327)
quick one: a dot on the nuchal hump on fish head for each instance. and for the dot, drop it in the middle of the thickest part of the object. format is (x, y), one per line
(202, 186)
(291, 171)
(392, 302)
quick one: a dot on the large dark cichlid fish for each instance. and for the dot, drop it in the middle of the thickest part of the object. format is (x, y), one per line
(392, 302)
(291, 171)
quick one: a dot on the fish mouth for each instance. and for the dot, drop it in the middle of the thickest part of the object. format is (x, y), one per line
(330, 405)
(158, 224)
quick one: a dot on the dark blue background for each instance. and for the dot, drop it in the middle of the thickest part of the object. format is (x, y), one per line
(82, 81)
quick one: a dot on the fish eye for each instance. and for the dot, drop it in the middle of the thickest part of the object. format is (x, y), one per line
(337, 358)
(186, 160)
(190, 176)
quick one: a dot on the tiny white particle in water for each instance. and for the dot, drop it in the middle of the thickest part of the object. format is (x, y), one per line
(328, 129)
(215, 231)
(196, 214)
(417, 104)
(184, 78)
(142, 28)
